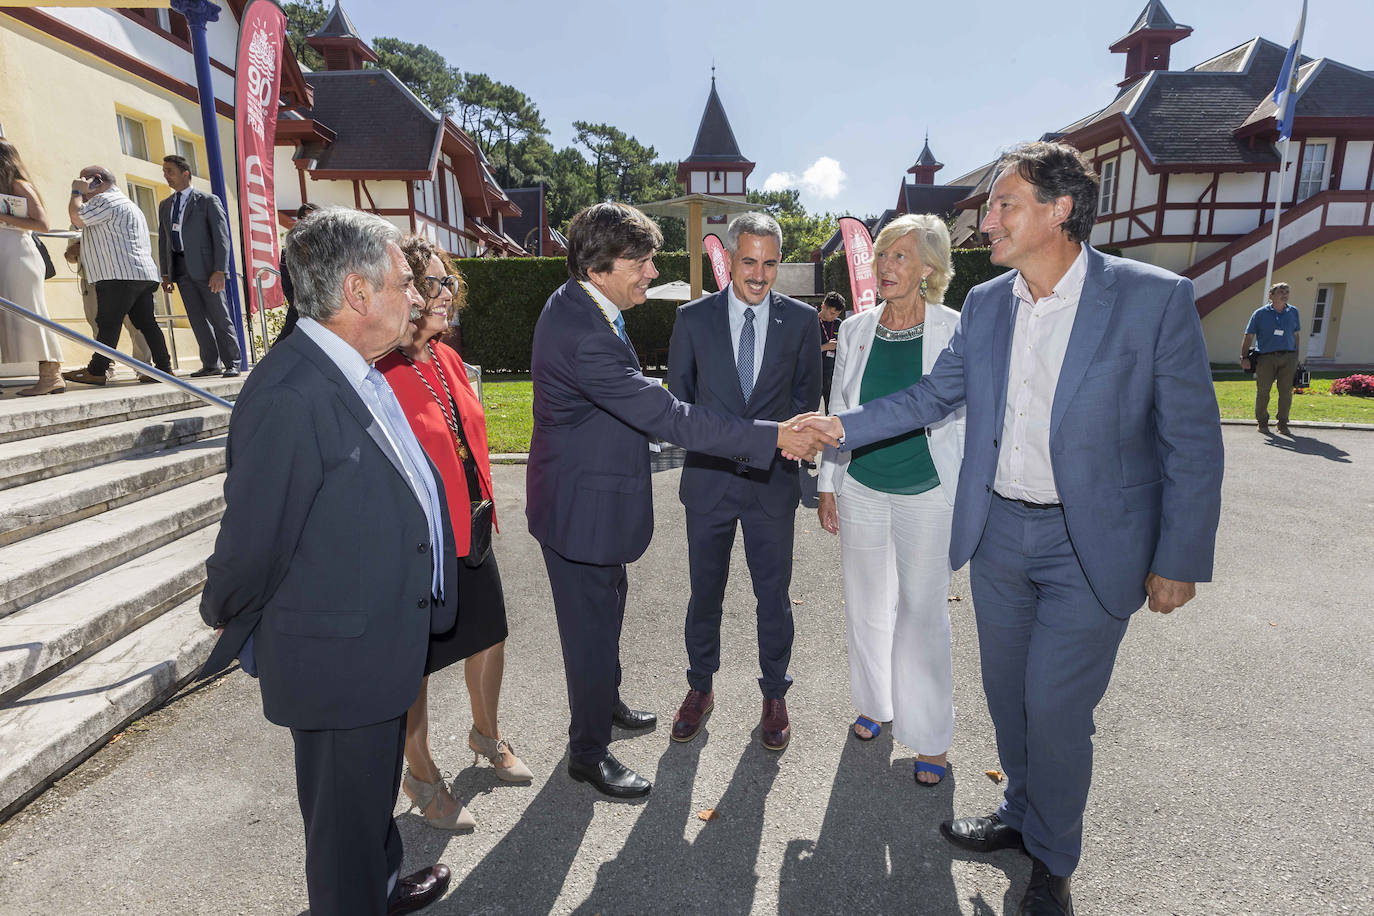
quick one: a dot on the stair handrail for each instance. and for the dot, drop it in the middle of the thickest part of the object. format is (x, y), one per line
(262, 312)
(138, 365)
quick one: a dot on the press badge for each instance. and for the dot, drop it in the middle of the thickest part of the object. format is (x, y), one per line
(1278, 332)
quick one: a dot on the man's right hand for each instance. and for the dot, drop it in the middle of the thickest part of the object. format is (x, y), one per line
(828, 512)
(800, 442)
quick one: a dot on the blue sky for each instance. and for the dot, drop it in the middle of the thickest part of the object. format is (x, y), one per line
(856, 83)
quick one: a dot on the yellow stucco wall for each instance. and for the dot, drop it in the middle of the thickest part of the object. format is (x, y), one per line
(58, 107)
(1350, 338)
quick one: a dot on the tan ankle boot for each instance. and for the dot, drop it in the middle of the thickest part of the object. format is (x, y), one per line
(49, 380)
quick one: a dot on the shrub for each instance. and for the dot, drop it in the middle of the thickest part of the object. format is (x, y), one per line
(1358, 385)
(505, 296)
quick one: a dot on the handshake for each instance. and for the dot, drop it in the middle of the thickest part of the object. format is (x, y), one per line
(801, 437)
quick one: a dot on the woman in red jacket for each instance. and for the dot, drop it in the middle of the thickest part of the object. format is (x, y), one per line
(431, 383)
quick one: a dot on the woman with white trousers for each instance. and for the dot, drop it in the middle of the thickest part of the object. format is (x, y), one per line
(892, 502)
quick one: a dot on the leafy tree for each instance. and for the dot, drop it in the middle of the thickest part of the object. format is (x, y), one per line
(802, 232)
(302, 19)
(423, 70)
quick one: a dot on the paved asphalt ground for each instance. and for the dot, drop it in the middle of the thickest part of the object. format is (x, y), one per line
(1233, 757)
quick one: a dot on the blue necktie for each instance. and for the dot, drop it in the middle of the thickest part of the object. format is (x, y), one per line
(744, 361)
(176, 217)
(417, 468)
(620, 327)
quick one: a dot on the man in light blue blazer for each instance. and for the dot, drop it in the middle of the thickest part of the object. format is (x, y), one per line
(1091, 481)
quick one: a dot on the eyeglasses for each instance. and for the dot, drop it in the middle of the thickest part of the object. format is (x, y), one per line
(433, 287)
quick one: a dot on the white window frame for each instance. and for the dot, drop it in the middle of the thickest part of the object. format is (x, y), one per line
(1308, 183)
(1106, 195)
(145, 198)
(186, 148)
(129, 139)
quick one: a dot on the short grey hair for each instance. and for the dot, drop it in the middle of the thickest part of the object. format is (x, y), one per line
(328, 245)
(752, 224)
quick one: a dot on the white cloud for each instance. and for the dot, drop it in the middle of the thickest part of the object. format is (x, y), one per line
(823, 179)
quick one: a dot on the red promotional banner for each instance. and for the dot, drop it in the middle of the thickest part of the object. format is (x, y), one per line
(262, 32)
(858, 251)
(720, 264)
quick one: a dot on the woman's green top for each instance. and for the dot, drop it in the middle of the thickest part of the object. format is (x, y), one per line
(902, 464)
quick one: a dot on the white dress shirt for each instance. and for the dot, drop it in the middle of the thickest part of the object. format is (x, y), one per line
(1041, 337)
(736, 310)
(608, 308)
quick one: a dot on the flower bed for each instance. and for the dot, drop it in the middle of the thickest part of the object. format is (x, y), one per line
(1357, 385)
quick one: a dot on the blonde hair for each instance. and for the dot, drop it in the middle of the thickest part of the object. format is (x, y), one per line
(932, 247)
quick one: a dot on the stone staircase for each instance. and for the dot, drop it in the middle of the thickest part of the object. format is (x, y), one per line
(110, 500)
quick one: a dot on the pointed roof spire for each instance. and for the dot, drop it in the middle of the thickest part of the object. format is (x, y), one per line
(927, 158)
(339, 42)
(715, 138)
(1147, 44)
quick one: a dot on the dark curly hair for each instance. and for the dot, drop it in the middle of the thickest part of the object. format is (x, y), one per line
(1058, 170)
(417, 250)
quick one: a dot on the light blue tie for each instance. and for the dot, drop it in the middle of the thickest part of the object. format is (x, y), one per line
(620, 327)
(744, 362)
(416, 466)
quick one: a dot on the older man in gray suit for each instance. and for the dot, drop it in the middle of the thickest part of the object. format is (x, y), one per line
(1091, 481)
(193, 251)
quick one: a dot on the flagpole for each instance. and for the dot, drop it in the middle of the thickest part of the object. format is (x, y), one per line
(1274, 236)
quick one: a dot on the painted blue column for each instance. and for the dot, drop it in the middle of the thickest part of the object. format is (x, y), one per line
(198, 13)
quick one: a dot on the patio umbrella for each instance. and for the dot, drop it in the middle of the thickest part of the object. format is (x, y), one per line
(676, 291)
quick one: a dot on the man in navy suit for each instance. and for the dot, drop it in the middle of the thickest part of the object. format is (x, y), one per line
(336, 559)
(1091, 481)
(752, 353)
(589, 500)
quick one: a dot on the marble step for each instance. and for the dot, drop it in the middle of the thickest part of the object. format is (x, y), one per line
(82, 407)
(48, 504)
(26, 460)
(49, 731)
(44, 639)
(43, 565)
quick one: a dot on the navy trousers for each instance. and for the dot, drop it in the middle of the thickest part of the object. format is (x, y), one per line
(208, 315)
(589, 601)
(1048, 648)
(768, 553)
(346, 783)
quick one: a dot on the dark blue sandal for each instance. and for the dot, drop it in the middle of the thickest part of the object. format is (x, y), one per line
(934, 768)
(874, 728)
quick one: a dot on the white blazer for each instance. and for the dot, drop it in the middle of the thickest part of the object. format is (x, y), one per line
(851, 357)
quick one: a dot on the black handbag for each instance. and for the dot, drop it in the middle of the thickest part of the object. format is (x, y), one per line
(49, 269)
(479, 543)
(1302, 378)
(1252, 357)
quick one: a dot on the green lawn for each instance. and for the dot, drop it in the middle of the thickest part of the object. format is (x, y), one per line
(1236, 397)
(510, 423)
(507, 398)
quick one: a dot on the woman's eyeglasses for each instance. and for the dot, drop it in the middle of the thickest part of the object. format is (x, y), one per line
(433, 287)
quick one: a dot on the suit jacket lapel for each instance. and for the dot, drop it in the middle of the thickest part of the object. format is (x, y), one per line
(350, 398)
(1001, 349)
(1095, 305)
(719, 319)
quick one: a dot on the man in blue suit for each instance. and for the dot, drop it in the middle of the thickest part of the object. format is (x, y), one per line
(589, 499)
(752, 353)
(1091, 481)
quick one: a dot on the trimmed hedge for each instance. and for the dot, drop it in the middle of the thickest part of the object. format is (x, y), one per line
(506, 295)
(971, 267)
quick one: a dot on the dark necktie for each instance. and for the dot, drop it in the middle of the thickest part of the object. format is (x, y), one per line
(744, 362)
(176, 218)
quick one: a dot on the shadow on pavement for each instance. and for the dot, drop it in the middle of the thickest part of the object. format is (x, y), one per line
(1306, 445)
(879, 849)
(659, 870)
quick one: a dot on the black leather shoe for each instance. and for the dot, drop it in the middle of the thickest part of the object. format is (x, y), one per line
(632, 719)
(205, 372)
(981, 834)
(1046, 895)
(229, 373)
(417, 891)
(610, 777)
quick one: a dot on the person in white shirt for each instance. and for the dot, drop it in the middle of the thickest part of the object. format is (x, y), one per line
(117, 258)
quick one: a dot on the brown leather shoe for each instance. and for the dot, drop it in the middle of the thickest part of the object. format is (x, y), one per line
(692, 713)
(417, 891)
(84, 376)
(774, 729)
